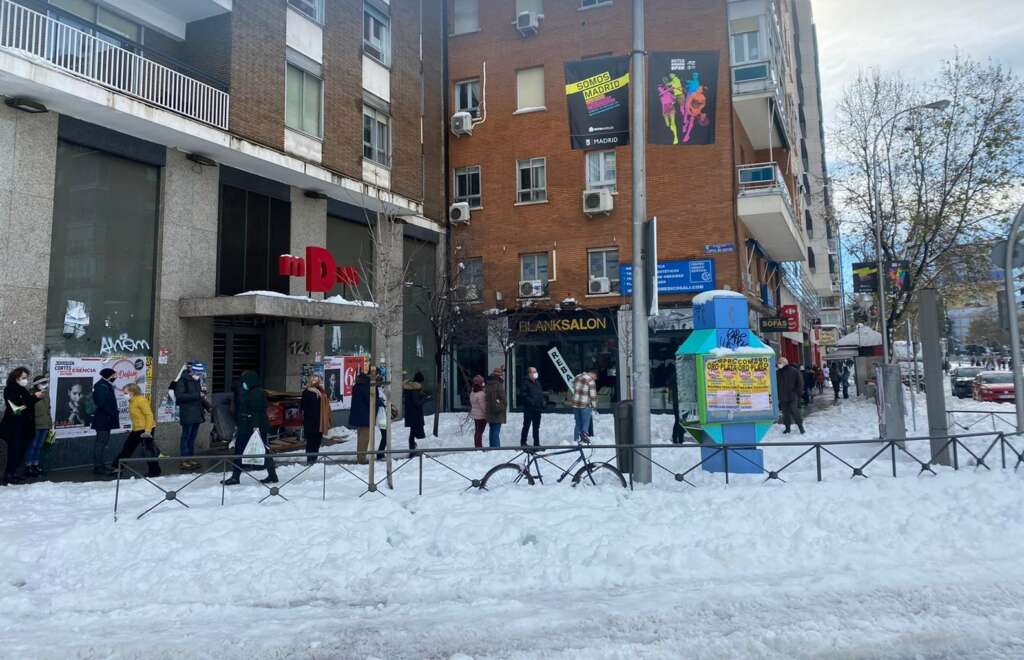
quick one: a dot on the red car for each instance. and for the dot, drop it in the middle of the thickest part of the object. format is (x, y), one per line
(993, 386)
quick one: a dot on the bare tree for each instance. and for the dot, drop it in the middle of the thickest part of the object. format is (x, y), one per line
(945, 179)
(987, 331)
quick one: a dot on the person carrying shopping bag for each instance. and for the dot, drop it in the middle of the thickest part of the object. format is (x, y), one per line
(252, 424)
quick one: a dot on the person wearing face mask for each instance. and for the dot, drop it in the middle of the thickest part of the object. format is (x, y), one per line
(106, 419)
(43, 425)
(18, 424)
(531, 397)
(190, 397)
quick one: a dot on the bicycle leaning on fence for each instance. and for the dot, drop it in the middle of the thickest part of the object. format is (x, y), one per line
(528, 470)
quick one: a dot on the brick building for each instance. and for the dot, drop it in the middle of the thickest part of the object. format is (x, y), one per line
(531, 256)
(158, 158)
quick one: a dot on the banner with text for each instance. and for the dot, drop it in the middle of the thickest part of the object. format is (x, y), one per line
(71, 383)
(597, 95)
(681, 95)
(737, 385)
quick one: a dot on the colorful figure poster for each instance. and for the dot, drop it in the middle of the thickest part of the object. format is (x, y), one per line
(597, 95)
(71, 383)
(681, 96)
(738, 384)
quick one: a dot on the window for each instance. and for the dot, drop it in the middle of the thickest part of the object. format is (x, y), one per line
(471, 279)
(534, 267)
(601, 170)
(111, 25)
(605, 263)
(376, 136)
(587, 4)
(467, 186)
(532, 185)
(303, 101)
(313, 9)
(745, 37)
(467, 97)
(810, 259)
(376, 42)
(530, 89)
(466, 16)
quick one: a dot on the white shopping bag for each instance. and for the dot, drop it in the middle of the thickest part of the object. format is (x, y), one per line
(254, 448)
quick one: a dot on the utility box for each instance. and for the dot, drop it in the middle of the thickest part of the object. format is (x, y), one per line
(624, 435)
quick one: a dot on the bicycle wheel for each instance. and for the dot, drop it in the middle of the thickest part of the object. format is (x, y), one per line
(504, 475)
(599, 474)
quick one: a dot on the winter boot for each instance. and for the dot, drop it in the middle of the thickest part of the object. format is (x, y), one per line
(230, 481)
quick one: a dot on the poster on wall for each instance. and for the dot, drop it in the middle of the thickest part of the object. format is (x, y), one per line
(339, 374)
(71, 383)
(681, 95)
(737, 385)
(597, 95)
(309, 370)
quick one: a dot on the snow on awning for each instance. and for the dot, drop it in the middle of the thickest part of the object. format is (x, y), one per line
(862, 336)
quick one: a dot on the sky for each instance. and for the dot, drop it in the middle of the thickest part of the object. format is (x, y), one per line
(911, 37)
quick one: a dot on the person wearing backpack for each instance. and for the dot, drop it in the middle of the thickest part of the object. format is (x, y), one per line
(105, 418)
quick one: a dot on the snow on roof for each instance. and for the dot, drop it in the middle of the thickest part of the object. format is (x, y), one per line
(333, 300)
(702, 298)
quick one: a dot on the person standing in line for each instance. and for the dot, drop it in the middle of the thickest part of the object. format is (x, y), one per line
(531, 397)
(845, 376)
(143, 428)
(106, 418)
(836, 376)
(478, 410)
(43, 424)
(808, 384)
(316, 416)
(819, 378)
(359, 416)
(251, 411)
(190, 397)
(18, 425)
(790, 384)
(584, 400)
(412, 401)
(496, 405)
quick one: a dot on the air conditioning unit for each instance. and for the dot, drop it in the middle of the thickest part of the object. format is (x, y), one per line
(532, 288)
(599, 285)
(527, 23)
(462, 123)
(598, 201)
(458, 213)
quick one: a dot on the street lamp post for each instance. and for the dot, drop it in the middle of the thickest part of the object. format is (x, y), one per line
(876, 215)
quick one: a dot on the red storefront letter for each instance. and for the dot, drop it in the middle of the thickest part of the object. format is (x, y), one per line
(289, 266)
(348, 275)
(320, 270)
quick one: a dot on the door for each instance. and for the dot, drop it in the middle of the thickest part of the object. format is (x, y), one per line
(235, 350)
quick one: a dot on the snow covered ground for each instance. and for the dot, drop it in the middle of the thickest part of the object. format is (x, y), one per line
(912, 567)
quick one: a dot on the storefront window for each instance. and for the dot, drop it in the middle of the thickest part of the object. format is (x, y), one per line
(103, 254)
(349, 242)
(349, 339)
(254, 231)
(418, 340)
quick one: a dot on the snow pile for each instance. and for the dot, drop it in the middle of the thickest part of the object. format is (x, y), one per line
(706, 296)
(879, 567)
(333, 300)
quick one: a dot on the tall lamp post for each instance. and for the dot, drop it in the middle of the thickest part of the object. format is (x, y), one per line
(876, 215)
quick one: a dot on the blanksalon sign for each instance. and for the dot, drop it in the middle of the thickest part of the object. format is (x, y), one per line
(322, 273)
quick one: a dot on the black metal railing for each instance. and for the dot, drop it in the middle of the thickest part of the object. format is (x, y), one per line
(886, 457)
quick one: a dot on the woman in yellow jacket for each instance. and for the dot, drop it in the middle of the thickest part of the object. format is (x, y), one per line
(143, 426)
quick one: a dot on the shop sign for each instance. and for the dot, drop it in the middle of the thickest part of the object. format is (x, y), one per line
(561, 366)
(829, 336)
(792, 314)
(576, 324)
(319, 268)
(769, 324)
(683, 276)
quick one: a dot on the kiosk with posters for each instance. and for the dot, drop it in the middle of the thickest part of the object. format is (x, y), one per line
(726, 380)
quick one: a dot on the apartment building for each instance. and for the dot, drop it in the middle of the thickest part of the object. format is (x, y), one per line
(824, 259)
(159, 158)
(542, 232)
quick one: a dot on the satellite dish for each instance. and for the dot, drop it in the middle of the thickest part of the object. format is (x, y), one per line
(998, 255)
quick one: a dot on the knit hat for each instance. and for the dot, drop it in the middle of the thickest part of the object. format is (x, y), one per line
(107, 373)
(41, 380)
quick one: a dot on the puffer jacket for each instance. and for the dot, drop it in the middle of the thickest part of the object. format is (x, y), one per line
(496, 400)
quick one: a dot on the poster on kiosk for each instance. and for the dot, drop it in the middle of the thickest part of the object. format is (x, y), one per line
(71, 383)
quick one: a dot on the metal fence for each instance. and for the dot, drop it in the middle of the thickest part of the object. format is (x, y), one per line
(885, 457)
(82, 54)
(968, 420)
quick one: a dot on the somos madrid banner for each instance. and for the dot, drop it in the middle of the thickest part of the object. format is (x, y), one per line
(681, 95)
(597, 94)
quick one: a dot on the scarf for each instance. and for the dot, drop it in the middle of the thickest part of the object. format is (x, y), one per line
(325, 409)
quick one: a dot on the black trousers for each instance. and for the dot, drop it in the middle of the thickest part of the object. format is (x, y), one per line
(15, 454)
(531, 418)
(835, 388)
(313, 441)
(791, 413)
(268, 461)
(132, 443)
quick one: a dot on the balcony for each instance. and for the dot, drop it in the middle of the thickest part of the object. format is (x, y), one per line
(46, 41)
(758, 94)
(766, 209)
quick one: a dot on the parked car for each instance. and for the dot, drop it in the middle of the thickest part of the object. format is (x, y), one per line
(961, 381)
(993, 386)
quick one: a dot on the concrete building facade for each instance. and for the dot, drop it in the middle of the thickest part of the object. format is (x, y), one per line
(158, 158)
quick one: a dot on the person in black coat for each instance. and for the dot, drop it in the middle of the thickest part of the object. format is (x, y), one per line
(791, 385)
(18, 425)
(105, 419)
(835, 374)
(412, 401)
(251, 415)
(190, 397)
(359, 416)
(532, 399)
(315, 408)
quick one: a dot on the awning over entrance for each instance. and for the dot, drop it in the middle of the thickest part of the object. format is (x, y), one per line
(292, 308)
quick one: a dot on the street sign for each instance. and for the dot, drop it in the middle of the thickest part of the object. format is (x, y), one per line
(561, 366)
(684, 276)
(998, 255)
